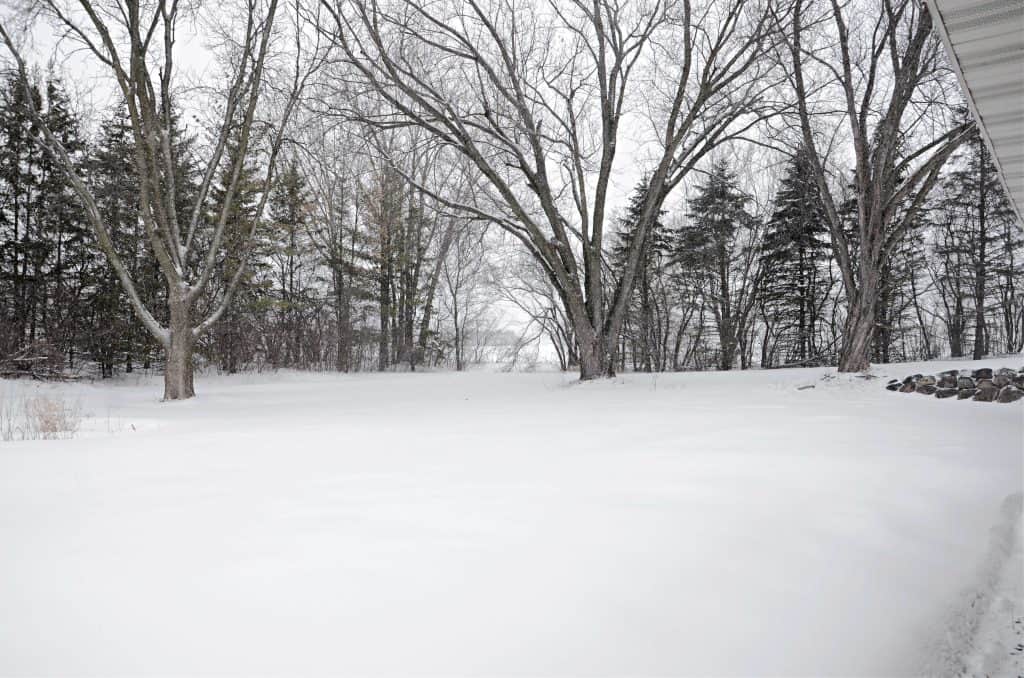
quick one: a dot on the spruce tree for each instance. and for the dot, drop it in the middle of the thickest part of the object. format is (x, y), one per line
(793, 255)
(654, 250)
(714, 245)
(19, 196)
(231, 346)
(113, 330)
(291, 294)
(41, 230)
(63, 230)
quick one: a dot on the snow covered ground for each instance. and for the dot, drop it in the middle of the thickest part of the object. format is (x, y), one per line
(514, 524)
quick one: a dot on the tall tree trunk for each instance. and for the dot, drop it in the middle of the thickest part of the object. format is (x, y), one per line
(593, 360)
(343, 358)
(925, 339)
(956, 332)
(384, 305)
(178, 373)
(645, 318)
(980, 271)
(458, 336)
(859, 330)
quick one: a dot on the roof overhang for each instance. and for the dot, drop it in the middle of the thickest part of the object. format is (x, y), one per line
(985, 44)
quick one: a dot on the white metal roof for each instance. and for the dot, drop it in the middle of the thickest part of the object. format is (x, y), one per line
(985, 43)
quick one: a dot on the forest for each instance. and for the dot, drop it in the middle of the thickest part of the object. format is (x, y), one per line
(612, 187)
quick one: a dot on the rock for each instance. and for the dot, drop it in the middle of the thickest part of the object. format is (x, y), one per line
(965, 393)
(983, 373)
(1001, 380)
(1018, 381)
(1006, 372)
(927, 380)
(950, 373)
(1009, 394)
(946, 393)
(910, 380)
(964, 382)
(926, 389)
(947, 381)
(907, 388)
(986, 395)
(895, 386)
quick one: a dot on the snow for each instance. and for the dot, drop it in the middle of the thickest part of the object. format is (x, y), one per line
(512, 524)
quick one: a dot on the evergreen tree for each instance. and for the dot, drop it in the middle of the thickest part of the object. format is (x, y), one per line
(793, 255)
(291, 294)
(20, 152)
(338, 232)
(716, 245)
(41, 229)
(116, 190)
(63, 230)
(648, 353)
(231, 340)
(384, 200)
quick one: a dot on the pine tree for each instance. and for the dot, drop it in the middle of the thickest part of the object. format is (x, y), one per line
(384, 200)
(112, 326)
(63, 230)
(19, 196)
(345, 248)
(793, 253)
(291, 294)
(232, 345)
(41, 229)
(716, 246)
(647, 340)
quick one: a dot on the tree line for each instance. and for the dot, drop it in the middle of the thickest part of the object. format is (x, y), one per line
(730, 285)
(368, 186)
(347, 272)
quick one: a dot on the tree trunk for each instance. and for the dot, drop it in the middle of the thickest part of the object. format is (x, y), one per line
(858, 334)
(178, 373)
(342, 321)
(980, 270)
(594, 355)
(591, 364)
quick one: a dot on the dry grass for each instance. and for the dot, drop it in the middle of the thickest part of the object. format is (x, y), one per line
(38, 417)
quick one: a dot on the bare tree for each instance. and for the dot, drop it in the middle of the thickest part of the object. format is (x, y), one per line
(535, 94)
(466, 299)
(881, 63)
(135, 44)
(520, 282)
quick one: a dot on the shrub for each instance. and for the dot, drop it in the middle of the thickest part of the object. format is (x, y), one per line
(38, 417)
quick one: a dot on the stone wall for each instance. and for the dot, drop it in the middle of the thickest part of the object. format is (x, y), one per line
(1004, 385)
